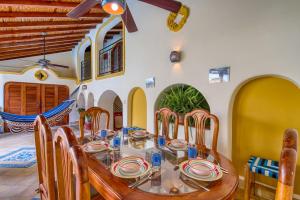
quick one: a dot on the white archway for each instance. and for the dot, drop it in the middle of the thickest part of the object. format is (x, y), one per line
(90, 101)
(106, 101)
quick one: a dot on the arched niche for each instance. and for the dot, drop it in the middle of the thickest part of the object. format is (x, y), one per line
(81, 101)
(90, 100)
(137, 108)
(84, 59)
(106, 101)
(173, 91)
(263, 107)
(183, 98)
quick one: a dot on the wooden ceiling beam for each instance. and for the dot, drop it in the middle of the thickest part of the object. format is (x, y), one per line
(48, 23)
(15, 40)
(31, 54)
(43, 3)
(35, 48)
(45, 30)
(4, 48)
(47, 15)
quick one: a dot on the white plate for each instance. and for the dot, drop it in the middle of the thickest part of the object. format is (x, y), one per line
(192, 168)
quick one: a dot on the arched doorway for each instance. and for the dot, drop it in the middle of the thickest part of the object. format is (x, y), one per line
(84, 60)
(90, 101)
(263, 108)
(118, 113)
(137, 108)
(81, 101)
(111, 102)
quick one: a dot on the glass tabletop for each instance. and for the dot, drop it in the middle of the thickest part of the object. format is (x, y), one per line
(168, 180)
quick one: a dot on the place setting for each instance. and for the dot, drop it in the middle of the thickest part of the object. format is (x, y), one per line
(103, 142)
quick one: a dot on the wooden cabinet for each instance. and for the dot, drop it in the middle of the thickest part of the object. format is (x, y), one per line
(33, 98)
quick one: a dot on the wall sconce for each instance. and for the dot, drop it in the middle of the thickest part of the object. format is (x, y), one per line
(84, 87)
(175, 56)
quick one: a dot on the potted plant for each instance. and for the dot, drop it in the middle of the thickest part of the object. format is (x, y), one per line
(87, 123)
(183, 99)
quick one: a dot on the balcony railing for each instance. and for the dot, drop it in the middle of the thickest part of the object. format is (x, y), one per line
(111, 58)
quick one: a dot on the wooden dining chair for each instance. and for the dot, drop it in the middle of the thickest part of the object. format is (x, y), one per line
(44, 154)
(200, 118)
(286, 172)
(96, 113)
(287, 166)
(165, 115)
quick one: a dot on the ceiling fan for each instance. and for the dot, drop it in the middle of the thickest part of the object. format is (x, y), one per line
(119, 7)
(43, 63)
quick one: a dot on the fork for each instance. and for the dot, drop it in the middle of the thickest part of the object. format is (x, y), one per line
(185, 178)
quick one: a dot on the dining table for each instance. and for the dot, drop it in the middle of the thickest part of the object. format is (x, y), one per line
(166, 183)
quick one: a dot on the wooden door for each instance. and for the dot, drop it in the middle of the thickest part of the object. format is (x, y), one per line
(13, 97)
(49, 97)
(62, 95)
(31, 99)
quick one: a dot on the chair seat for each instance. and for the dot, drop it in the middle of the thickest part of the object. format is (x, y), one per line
(264, 166)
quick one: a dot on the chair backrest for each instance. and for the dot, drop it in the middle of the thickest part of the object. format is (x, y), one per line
(287, 166)
(71, 166)
(200, 117)
(165, 115)
(44, 154)
(95, 113)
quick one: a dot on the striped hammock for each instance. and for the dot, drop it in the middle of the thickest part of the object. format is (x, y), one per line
(24, 123)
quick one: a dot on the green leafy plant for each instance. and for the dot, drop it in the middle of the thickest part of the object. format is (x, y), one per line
(79, 110)
(183, 99)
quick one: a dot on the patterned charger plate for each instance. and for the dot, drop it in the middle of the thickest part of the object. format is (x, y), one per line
(201, 170)
(181, 147)
(95, 146)
(139, 134)
(130, 167)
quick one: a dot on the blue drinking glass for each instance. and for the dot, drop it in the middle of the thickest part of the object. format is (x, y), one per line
(192, 152)
(103, 134)
(161, 140)
(156, 159)
(125, 131)
(116, 141)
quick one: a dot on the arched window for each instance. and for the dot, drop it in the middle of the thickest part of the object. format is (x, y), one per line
(86, 67)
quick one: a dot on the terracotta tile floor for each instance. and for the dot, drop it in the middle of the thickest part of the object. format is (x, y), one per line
(17, 184)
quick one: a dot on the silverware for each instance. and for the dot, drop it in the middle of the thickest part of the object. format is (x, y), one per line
(140, 181)
(185, 178)
(213, 160)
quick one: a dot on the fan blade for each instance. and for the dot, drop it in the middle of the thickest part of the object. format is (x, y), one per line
(56, 65)
(170, 5)
(83, 8)
(129, 21)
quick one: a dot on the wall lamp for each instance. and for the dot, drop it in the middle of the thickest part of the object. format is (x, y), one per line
(175, 56)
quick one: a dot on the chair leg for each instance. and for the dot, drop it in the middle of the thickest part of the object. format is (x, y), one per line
(248, 182)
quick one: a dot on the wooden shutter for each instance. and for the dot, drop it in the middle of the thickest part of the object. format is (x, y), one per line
(13, 98)
(48, 97)
(31, 99)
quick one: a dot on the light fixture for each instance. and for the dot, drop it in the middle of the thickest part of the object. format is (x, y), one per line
(175, 56)
(114, 7)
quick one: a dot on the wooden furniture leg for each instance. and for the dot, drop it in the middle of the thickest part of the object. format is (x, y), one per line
(248, 182)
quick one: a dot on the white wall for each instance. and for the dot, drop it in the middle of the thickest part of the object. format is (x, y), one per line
(253, 37)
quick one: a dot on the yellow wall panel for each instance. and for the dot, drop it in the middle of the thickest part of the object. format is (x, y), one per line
(263, 109)
(139, 109)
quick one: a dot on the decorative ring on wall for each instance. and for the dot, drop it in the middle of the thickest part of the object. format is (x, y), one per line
(41, 75)
(171, 22)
